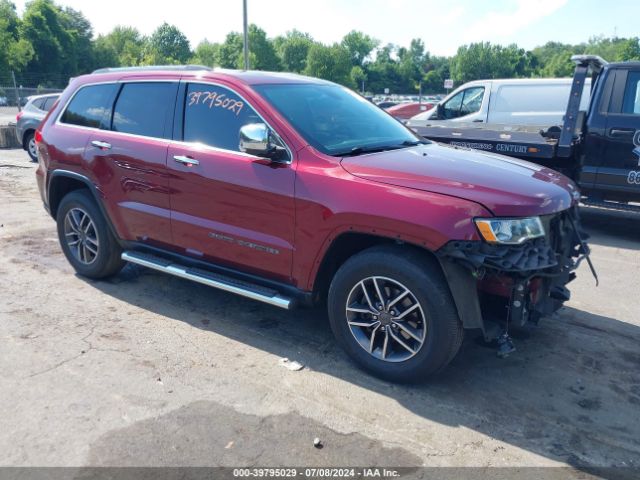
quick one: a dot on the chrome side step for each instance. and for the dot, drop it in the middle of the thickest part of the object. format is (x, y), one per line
(211, 279)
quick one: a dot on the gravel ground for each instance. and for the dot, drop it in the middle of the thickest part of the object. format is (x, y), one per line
(8, 115)
(146, 369)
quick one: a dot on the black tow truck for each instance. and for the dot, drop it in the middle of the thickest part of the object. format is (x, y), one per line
(599, 148)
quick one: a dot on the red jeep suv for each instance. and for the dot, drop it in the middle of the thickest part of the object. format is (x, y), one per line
(291, 191)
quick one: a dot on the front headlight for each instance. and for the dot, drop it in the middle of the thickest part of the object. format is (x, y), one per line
(511, 231)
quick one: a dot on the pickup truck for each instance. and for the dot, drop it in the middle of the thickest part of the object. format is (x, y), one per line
(598, 148)
(295, 191)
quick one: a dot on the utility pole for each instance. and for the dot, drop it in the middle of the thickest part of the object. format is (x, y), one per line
(246, 35)
(15, 89)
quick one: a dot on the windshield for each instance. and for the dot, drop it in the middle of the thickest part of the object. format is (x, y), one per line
(335, 120)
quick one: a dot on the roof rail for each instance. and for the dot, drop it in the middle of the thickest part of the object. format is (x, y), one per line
(152, 68)
(594, 61)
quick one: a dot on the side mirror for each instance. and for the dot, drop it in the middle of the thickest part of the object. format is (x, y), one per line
(255, 140)
(440, 112)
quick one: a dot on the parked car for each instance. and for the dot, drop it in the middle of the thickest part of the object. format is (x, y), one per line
(537, 101)
(29, 118)
(292, 191)
(4, 101)
(404, 111)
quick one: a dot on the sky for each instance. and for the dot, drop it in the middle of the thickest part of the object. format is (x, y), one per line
(442, 25)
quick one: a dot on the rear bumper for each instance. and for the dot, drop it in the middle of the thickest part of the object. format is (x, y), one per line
(499, 285)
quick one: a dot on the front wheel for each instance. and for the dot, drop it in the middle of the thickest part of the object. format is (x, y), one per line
(391, 310)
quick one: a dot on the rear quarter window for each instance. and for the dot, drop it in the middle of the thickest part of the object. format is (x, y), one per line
(48, 103)
(90, 106)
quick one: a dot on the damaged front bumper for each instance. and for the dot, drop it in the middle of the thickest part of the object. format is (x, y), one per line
(495, 286)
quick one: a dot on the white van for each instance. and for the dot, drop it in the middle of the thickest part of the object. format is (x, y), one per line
(521, 101)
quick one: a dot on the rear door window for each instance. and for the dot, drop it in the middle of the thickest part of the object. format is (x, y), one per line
(631, 102)
(213, 115)
(90, 106)
(144, 108)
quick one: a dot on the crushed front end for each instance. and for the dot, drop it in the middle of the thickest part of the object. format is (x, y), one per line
(497, 285)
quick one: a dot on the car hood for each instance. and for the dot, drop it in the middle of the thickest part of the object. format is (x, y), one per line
(423, 116)
(506, 186)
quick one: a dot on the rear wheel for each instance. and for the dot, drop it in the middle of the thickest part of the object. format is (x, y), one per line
(392, 312)
(30, 146)
(85, 237)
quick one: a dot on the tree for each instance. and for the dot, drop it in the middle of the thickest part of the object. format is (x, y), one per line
(16, 52)
(629, 50)
(230, 51)
(484, 60)
(358, 77)
(82, 51)
(43, 26)
(123, 46)
(293, 49)
(331, 63)
(168, 45)
(359, 46)
(263, 53)
(206, 53)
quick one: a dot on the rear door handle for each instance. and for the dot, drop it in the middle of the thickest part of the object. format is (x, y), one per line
(101, 145)
(621, 132)
(186, 160)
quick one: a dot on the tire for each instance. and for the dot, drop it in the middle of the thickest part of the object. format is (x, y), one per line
(30, 146)
(435, 317)
(82, 230)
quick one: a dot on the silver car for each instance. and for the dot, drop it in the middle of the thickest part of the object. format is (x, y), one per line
(29, 118)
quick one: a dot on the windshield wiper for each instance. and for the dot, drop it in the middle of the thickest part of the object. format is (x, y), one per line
(355, 151)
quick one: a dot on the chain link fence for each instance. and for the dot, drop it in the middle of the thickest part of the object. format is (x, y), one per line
(15, 91)
(14, 97)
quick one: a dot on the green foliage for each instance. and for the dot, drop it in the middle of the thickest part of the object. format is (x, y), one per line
(358, 76)
(122, 47)
(51, 43)
(45, 27)
(16, 52)
(167, 45)
(331, 63)
(359, 46)
(230, 51)
(484, 60)
(293, 49)
(206, 53)
(263, 53)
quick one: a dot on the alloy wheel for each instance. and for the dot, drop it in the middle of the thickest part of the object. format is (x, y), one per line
(33, 149)
(386, 319)
(81, 235)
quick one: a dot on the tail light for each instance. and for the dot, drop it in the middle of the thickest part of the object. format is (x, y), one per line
(19, 116)
(38, 137)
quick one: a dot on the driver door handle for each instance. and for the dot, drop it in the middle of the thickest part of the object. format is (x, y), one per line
(186, 160)
(101, 145)
(621, 132)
